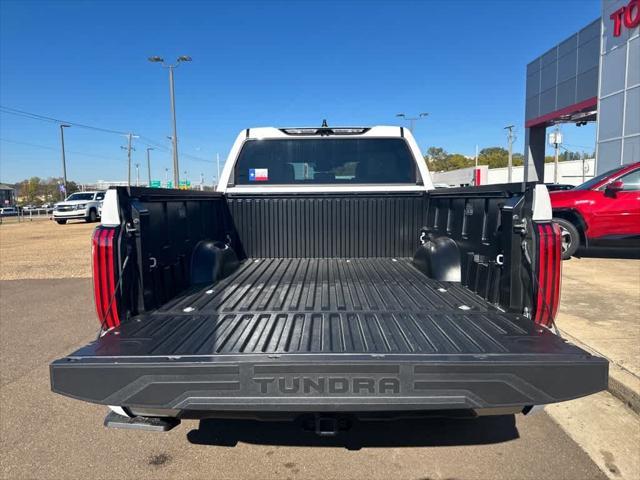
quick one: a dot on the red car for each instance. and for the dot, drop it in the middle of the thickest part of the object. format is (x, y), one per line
(603, 211)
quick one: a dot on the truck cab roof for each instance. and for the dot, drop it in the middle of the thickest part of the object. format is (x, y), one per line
(348, 131)
(385, 158)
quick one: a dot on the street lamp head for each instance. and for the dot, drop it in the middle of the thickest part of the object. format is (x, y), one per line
(150, 148)
(424, 114)
(184, 58)
(64, 125)
(400, 115)
(156, 59)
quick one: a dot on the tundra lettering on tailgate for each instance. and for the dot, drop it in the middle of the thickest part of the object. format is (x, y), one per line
(329, 385)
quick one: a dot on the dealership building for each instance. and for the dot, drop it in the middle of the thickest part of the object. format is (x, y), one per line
(592, 76)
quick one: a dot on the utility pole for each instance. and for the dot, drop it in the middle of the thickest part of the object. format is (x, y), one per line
(555, 139)
(128, 148)
(218, 162)
(64, 159)
(172, 100)
(510, 139)
(201, 182)
(149, 164)
(476, 156)
(137, 174)
(412, 120)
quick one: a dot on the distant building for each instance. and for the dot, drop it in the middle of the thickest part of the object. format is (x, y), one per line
(105, 184)
(591, 76)
(7, 196)
(570, 172)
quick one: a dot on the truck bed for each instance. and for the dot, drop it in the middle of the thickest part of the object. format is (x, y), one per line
(328, 334)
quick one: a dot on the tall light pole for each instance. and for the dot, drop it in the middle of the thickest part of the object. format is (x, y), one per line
(510, 139)
(64, 159)
(149, 164)
(180, 59)
(412, 120)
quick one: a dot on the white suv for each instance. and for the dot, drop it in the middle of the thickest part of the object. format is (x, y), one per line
(79, 205)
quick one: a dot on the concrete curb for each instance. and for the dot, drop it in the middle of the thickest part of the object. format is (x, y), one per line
(623, 384)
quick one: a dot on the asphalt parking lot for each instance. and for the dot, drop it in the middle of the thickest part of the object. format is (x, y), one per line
(48, 436)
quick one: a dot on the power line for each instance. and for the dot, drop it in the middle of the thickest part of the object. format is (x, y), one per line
(152, 143)
(580, 146)
(6, 140)
(197, 159)
(145, 140)
(36, 116)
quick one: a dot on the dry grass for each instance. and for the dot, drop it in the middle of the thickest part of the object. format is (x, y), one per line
(44, 249)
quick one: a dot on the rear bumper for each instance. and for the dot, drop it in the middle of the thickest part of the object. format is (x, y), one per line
(335, 383)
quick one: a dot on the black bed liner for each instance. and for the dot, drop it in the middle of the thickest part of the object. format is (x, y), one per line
(328, 334)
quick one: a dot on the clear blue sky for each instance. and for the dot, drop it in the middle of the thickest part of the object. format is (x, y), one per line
(264, 63)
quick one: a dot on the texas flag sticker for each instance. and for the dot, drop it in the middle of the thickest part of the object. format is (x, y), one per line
(258, 174)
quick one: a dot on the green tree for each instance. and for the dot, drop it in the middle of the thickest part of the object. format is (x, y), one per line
(495, 157)
(36, 190)
(568, 155)
(439, 160)
(72, 187)
(32, 189)
(436, 153)
(457, 160)
(436, 159)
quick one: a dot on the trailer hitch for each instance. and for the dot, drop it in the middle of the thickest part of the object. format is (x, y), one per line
(149, 424)
(326, 425)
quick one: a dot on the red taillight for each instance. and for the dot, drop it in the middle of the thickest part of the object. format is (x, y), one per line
(104, 277)
(548, 271)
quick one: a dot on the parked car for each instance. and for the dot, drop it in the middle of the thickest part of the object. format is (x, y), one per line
(325, 276)
(9, 211)
(49, 207)
(79, 205)
(603, 211)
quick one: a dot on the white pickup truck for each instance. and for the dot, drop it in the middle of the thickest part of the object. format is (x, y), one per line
(325, 277)
(79, 205)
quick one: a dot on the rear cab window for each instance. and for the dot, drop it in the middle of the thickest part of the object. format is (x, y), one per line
(312, 161)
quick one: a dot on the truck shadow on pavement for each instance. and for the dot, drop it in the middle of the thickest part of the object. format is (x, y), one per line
(361, 434)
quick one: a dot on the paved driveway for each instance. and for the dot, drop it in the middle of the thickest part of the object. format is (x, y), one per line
(48, 436)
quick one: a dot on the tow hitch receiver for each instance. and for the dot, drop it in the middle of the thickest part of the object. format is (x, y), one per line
(149, 424)
(326, 425)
